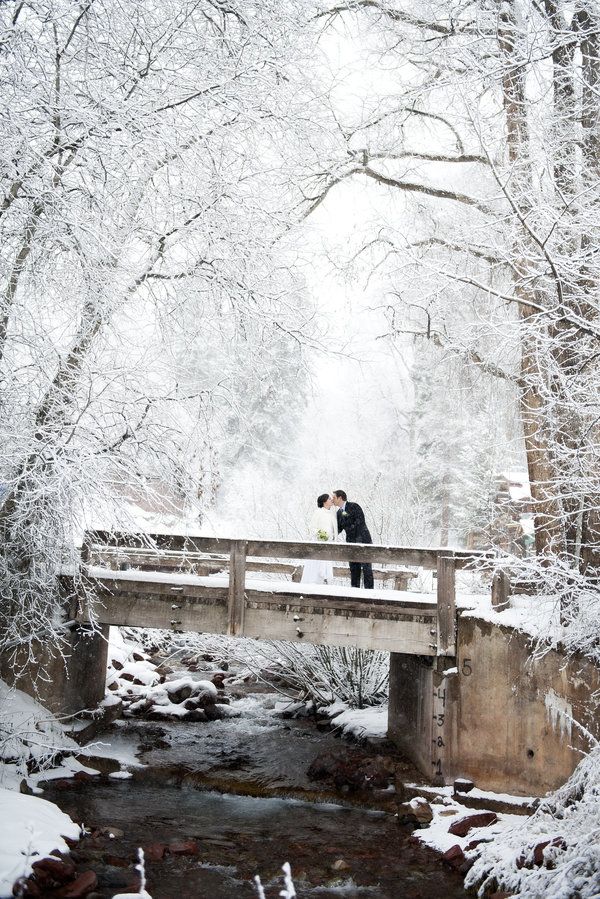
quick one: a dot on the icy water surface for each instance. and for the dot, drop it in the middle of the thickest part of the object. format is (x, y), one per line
(189, 789)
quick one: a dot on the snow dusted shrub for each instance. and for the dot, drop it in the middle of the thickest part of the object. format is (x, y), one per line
(31, 738)
(563, 834)
(570, 616)
(322, 673)
(325, 673)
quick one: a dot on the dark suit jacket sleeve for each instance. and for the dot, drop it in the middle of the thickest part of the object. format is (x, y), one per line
(353, 522)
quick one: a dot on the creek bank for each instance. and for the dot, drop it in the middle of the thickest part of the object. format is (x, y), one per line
(234, 793)
(223, 780)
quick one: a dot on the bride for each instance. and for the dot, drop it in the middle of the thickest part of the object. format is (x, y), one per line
(323, 527)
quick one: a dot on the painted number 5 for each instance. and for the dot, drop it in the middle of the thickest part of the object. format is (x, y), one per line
(466, 669)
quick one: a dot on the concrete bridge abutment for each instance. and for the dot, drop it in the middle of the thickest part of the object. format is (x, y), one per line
(497, 714)
(67, 680)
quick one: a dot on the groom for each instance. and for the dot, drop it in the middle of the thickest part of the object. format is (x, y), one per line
(351, 519)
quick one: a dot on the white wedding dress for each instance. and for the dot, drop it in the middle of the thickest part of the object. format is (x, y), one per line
(320, 571)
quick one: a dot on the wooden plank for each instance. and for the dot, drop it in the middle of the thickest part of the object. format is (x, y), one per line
(374, 607)
(285, 549)
(237, 583)
(500, 589)
(384, 624)
(446, 604)
(411, 637)
(168, 560)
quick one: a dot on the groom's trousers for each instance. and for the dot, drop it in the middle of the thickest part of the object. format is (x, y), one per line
(364, 568)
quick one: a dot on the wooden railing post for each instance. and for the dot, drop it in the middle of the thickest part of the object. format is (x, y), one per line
(500, 589)
(446, 604)
(237, 585)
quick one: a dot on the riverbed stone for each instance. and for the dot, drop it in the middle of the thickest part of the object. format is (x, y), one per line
(183, 847)
(419, 814)
(536, 859)
(340, 865)
(178, 694)
(455, 858)
(50, 869)
(196, 715)
(462, 827)
(155, 852)
(116, 861)
(82, 886)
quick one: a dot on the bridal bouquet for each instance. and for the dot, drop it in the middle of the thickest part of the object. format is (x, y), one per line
(322, 535)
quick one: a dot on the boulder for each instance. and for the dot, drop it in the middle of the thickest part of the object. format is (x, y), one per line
(418, 814)
(537, 859)
(538, 851)
(178, 694)
(197, 715)
(84, 884)
(454, 857)
(58, 870)
(183, 847)
(462, 827)
(462, 785)
(155, 852)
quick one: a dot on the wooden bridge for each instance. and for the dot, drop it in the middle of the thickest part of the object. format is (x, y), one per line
(196, 583)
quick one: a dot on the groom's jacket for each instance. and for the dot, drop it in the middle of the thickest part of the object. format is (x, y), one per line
(352, 521)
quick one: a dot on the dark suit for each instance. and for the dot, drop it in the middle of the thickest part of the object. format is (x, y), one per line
(352, 521)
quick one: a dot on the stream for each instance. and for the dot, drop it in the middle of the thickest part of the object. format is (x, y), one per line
(215, 803)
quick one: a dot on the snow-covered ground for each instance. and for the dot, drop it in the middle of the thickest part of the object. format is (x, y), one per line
(30, 828)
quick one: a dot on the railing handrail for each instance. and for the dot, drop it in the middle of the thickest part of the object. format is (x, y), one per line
(422, 557)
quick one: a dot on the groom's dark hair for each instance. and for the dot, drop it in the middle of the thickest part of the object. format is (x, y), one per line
(341, 494)
(321, 500)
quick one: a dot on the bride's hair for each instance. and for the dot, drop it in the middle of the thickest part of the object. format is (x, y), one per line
(321, 500)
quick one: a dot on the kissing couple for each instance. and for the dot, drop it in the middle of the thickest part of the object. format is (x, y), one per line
(335, 516)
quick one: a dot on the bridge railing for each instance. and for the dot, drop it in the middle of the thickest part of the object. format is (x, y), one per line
(442, 560)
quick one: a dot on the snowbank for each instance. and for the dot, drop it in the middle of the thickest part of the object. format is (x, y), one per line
(555, 853)
(364, 724)
(30, 828)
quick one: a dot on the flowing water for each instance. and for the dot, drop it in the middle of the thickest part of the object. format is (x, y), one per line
(237, 795)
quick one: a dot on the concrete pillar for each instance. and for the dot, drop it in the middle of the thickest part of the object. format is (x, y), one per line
(66, 681)
(410, 712)
(422, 713)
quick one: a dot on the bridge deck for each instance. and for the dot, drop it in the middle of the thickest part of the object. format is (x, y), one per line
(391, 620)
(240, 605)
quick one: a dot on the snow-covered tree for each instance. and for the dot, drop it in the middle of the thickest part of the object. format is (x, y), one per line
(487, 132)
(146, 156)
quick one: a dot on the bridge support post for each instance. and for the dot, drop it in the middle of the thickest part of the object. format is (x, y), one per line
(446, 604)
(421, 712)
(237, 587)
